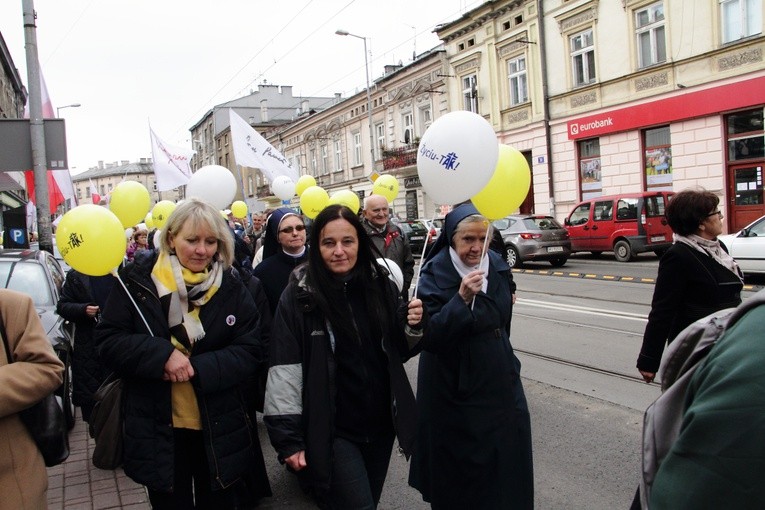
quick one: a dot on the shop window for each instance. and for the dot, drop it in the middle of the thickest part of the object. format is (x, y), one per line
(589, 168)
(746, 137)
(658, 159)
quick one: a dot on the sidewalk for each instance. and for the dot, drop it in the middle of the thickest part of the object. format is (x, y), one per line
(78, 485)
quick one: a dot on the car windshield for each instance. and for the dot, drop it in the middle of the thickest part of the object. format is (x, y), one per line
(417, 227)
(438, 223)
(542, 223)
(29, 278)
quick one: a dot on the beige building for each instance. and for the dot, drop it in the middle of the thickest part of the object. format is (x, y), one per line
(338, 149)
(265, 108)
(106, 177)
(608, 96)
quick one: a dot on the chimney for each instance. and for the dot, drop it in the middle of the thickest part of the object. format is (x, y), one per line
(304, 105)
(338, 97)
(124, 162)
(264, 110)
(101, 164)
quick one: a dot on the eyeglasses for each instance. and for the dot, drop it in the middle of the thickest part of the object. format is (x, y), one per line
(289, 230)
(718, 213)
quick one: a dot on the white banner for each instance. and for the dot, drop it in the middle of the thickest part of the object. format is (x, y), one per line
(254, 151)
(172, 165)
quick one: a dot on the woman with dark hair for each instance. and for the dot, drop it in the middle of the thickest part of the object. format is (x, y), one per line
(337, 391)
(473, 445)
(696, 276)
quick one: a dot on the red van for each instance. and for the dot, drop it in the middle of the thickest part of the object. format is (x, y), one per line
(626, 224)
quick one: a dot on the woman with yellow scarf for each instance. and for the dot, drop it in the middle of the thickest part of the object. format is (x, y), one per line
(185, 341)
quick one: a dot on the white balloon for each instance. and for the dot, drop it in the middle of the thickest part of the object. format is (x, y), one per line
(457, 157)
(395, 272)
(214, 184)
(283, 187)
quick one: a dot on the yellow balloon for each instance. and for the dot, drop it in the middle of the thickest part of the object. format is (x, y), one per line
(507, 188)
(91, 239)
(239, 209)
(387, 186)
(347, 198)
(161, 212)
(149, 221)
(130, 201)
(313, 200)
(305, 182)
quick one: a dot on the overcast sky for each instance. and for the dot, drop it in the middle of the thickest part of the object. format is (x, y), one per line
(167, 62)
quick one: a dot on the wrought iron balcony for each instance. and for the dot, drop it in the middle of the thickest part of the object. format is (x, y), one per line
(399, 157)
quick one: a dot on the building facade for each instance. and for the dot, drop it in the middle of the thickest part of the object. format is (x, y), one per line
(267, 107)
(337, 147)
(106, 177)
(609, 97)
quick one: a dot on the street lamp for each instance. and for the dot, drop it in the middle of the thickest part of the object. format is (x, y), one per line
(59, 108)
(369, 94)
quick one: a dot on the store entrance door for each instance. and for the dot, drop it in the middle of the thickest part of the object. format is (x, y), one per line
(745, 195)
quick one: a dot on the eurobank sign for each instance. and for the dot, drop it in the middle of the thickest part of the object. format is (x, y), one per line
(686, 105)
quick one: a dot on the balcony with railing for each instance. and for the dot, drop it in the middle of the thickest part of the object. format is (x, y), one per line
(399, 157)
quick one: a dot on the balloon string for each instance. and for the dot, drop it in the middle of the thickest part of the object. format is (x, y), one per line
(117, 276)
(483, 254)
(422, 259)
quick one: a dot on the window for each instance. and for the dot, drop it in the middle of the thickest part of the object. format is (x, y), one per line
(250, 186)
(519, 89)
(324, 160)
(649, 26)
(470, 93)
(314, 163)
(408, 123)
(356, 149)
(604, 210)
(626, 209)
(380, 135)
(658, 159)
(580, 215)
(338, 157)
(746, 138)
(740, 18)
(589, 168)
(583, 58)
(426, 119)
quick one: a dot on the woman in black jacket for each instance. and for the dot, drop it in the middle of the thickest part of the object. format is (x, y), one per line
(696, 275)
(82, 299)
(337, 391)
(185, 342)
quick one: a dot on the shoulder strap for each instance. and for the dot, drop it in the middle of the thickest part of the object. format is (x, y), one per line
(5, 341)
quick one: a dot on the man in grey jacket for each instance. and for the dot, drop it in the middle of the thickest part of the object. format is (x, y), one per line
(388, 238)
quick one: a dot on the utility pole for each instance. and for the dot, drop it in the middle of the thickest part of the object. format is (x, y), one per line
(37, 129)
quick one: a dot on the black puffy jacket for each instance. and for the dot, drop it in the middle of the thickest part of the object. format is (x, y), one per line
(222, 361)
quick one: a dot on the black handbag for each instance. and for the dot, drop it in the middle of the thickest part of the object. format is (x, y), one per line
(45, 422)
(105, 425)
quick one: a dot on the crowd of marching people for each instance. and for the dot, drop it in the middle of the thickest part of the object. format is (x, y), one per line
(214, 321)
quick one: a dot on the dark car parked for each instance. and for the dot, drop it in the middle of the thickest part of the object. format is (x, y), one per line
(529, 238)
(417, 234)
(38, 274)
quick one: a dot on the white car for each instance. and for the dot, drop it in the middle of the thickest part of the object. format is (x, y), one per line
(747, 246)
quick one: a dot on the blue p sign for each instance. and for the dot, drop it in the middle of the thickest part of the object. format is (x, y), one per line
(18, 235)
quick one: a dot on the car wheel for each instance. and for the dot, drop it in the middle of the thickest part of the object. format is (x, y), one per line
(559, 262)
(513, 257)
(64, 391)
(623, 251)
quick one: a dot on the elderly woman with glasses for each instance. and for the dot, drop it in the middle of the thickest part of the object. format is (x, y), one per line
(696, 276)
(284, 248)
